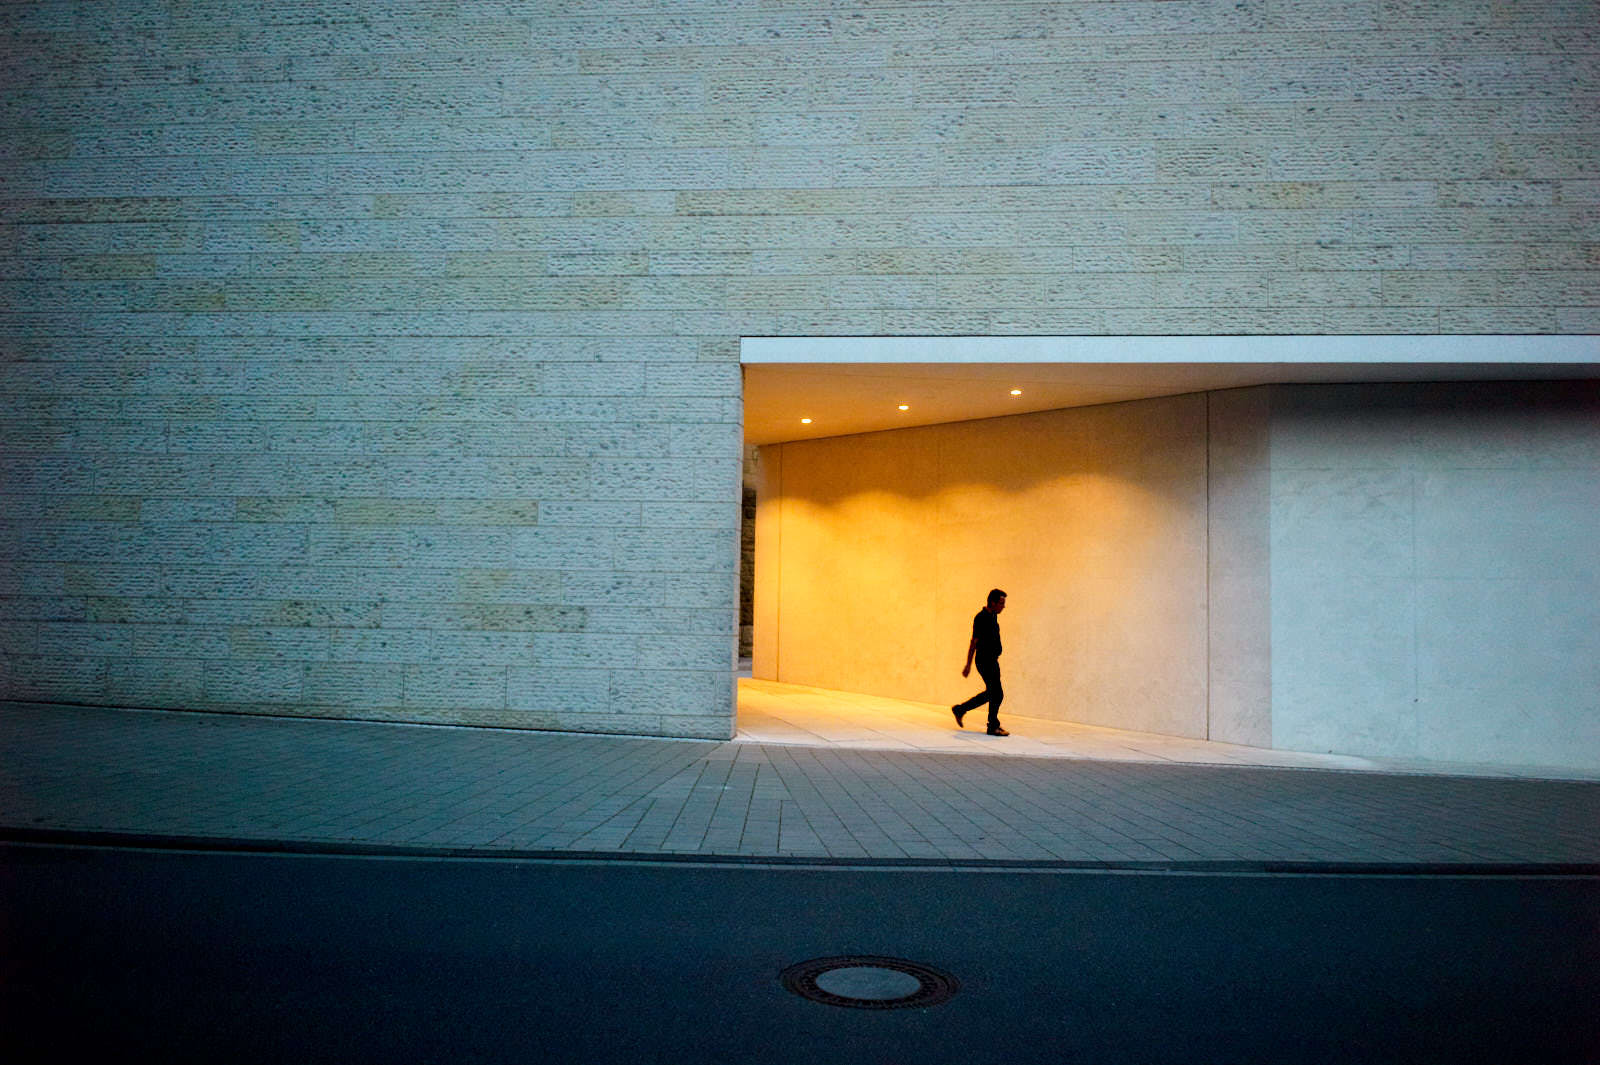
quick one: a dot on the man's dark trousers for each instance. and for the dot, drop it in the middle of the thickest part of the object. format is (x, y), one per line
(992, 693)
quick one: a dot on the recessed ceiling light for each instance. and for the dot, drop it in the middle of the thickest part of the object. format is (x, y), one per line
(905, 406)
(805, 421)
(1016, 391)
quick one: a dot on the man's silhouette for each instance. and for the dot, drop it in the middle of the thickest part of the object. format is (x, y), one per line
(985, 648)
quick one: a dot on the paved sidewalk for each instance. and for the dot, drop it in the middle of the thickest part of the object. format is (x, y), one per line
(309, 782)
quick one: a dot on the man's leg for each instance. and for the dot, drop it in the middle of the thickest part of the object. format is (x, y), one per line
(977, 700)
(993, 693)
(960, 709)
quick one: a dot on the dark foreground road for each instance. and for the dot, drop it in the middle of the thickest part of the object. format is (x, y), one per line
(119, 955)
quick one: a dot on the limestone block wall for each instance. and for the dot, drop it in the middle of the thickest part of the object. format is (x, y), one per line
(370, 358)
(879, 548)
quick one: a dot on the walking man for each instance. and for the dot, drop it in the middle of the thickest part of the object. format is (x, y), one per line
(985, 648)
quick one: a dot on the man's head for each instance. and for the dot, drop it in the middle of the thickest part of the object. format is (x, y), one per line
(997, 600)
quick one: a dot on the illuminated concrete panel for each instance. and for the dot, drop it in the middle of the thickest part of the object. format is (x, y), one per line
(1094, 520)
(1435, 571)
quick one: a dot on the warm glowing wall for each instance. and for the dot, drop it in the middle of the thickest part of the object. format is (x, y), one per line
(1093, 519)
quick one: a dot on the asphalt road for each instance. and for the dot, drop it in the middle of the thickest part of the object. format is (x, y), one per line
(113, 954)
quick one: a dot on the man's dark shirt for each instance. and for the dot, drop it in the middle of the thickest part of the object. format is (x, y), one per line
(986, 630)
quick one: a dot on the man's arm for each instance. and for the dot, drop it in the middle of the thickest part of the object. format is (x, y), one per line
(972, 645)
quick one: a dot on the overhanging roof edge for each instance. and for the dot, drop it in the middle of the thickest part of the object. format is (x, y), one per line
(1357, 348)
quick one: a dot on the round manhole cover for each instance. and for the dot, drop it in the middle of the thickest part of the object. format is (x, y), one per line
(869, 982)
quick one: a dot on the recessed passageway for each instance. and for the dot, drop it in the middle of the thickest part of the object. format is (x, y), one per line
(770, 712)
(1304, 557)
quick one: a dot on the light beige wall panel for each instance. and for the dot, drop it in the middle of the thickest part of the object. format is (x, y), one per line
(1239, 649)
(1519, 524)
(1435, 565)
(1344, 663)
(1509, 667)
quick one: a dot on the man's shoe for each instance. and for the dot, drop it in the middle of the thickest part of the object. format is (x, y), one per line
(956, 710)
(996, 730)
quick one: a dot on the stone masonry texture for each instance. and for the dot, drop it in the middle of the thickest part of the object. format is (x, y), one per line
(380, 360)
